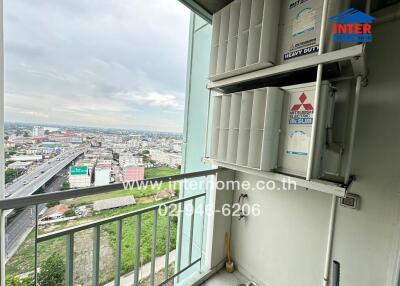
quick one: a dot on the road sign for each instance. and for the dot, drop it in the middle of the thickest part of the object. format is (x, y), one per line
(78, 170)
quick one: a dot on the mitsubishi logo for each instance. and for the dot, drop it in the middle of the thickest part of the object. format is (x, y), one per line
(306, 106)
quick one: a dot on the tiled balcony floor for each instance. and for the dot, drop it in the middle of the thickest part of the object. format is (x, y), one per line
(223, 278)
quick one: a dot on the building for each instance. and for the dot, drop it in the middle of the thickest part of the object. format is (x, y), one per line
(102, 174)
(164, 194)
(177, 147)
(40, 139)
(113, 203)
(129, 159)
(50, 144)
(170, 159)
(134, 142)
(33, 151)
(26, 158)
(23, 140)
(119, 147)
(66, 138)
(80, 176)
(37, 131)
(132, 173)
(55, 212)
(21, 165)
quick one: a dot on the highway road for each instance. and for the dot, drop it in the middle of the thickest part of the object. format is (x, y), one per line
(20, 225)
(29, 183)
(23, 223)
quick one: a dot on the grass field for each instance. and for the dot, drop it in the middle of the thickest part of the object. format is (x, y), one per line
(144, 191)
(137, 193)
(160, 172)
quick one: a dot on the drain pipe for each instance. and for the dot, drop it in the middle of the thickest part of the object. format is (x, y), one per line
(335, 273)
(320, 67)
(331, 231)
(352, 130)
(354, 119)
(205, 155)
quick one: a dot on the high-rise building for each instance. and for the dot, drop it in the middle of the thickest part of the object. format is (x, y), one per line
(37, 131)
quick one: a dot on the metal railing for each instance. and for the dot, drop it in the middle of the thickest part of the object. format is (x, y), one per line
(69, 233)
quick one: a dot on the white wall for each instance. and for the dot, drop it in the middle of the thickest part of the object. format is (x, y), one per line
(285, 246)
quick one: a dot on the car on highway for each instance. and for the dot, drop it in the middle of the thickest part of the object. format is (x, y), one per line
(25, 183)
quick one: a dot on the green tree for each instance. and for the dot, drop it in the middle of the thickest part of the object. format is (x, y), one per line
(12, 174)
(148, 160)
(115, 157)
(52, 204)
(69, 213)
(16, 281)
(52, 271)
(65, 186)
(9, 162)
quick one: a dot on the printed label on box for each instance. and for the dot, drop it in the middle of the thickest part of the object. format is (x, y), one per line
(298, 143)
(301, 113)
(304, 22)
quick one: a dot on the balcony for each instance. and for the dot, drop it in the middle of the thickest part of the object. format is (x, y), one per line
(300, 238)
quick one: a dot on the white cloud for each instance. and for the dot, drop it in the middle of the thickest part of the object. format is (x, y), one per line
(101, 63)
(154, 99)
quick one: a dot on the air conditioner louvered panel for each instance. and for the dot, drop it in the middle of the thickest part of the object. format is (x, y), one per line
(246, 37)
(248, 126)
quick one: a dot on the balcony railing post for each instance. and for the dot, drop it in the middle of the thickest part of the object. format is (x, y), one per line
(2, 248)
(118, 254)
(154, 247)
(69, 270)
(203, 228)
(191, 231)
(137, 251)
(167, 246)
(36, 245)
(96, 255)
(179, 246)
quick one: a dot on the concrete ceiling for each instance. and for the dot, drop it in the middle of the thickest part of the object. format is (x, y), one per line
(211, 6)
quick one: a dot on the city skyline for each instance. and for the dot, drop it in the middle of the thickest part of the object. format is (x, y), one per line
(63, 126)
(122, 75)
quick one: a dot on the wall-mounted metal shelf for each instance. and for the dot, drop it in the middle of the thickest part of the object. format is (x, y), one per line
(347, 63)
(314, 184)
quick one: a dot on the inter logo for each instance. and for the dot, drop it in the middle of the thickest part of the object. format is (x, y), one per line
(352, 26)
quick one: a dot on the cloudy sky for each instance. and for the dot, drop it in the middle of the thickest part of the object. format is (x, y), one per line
(119, 63)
